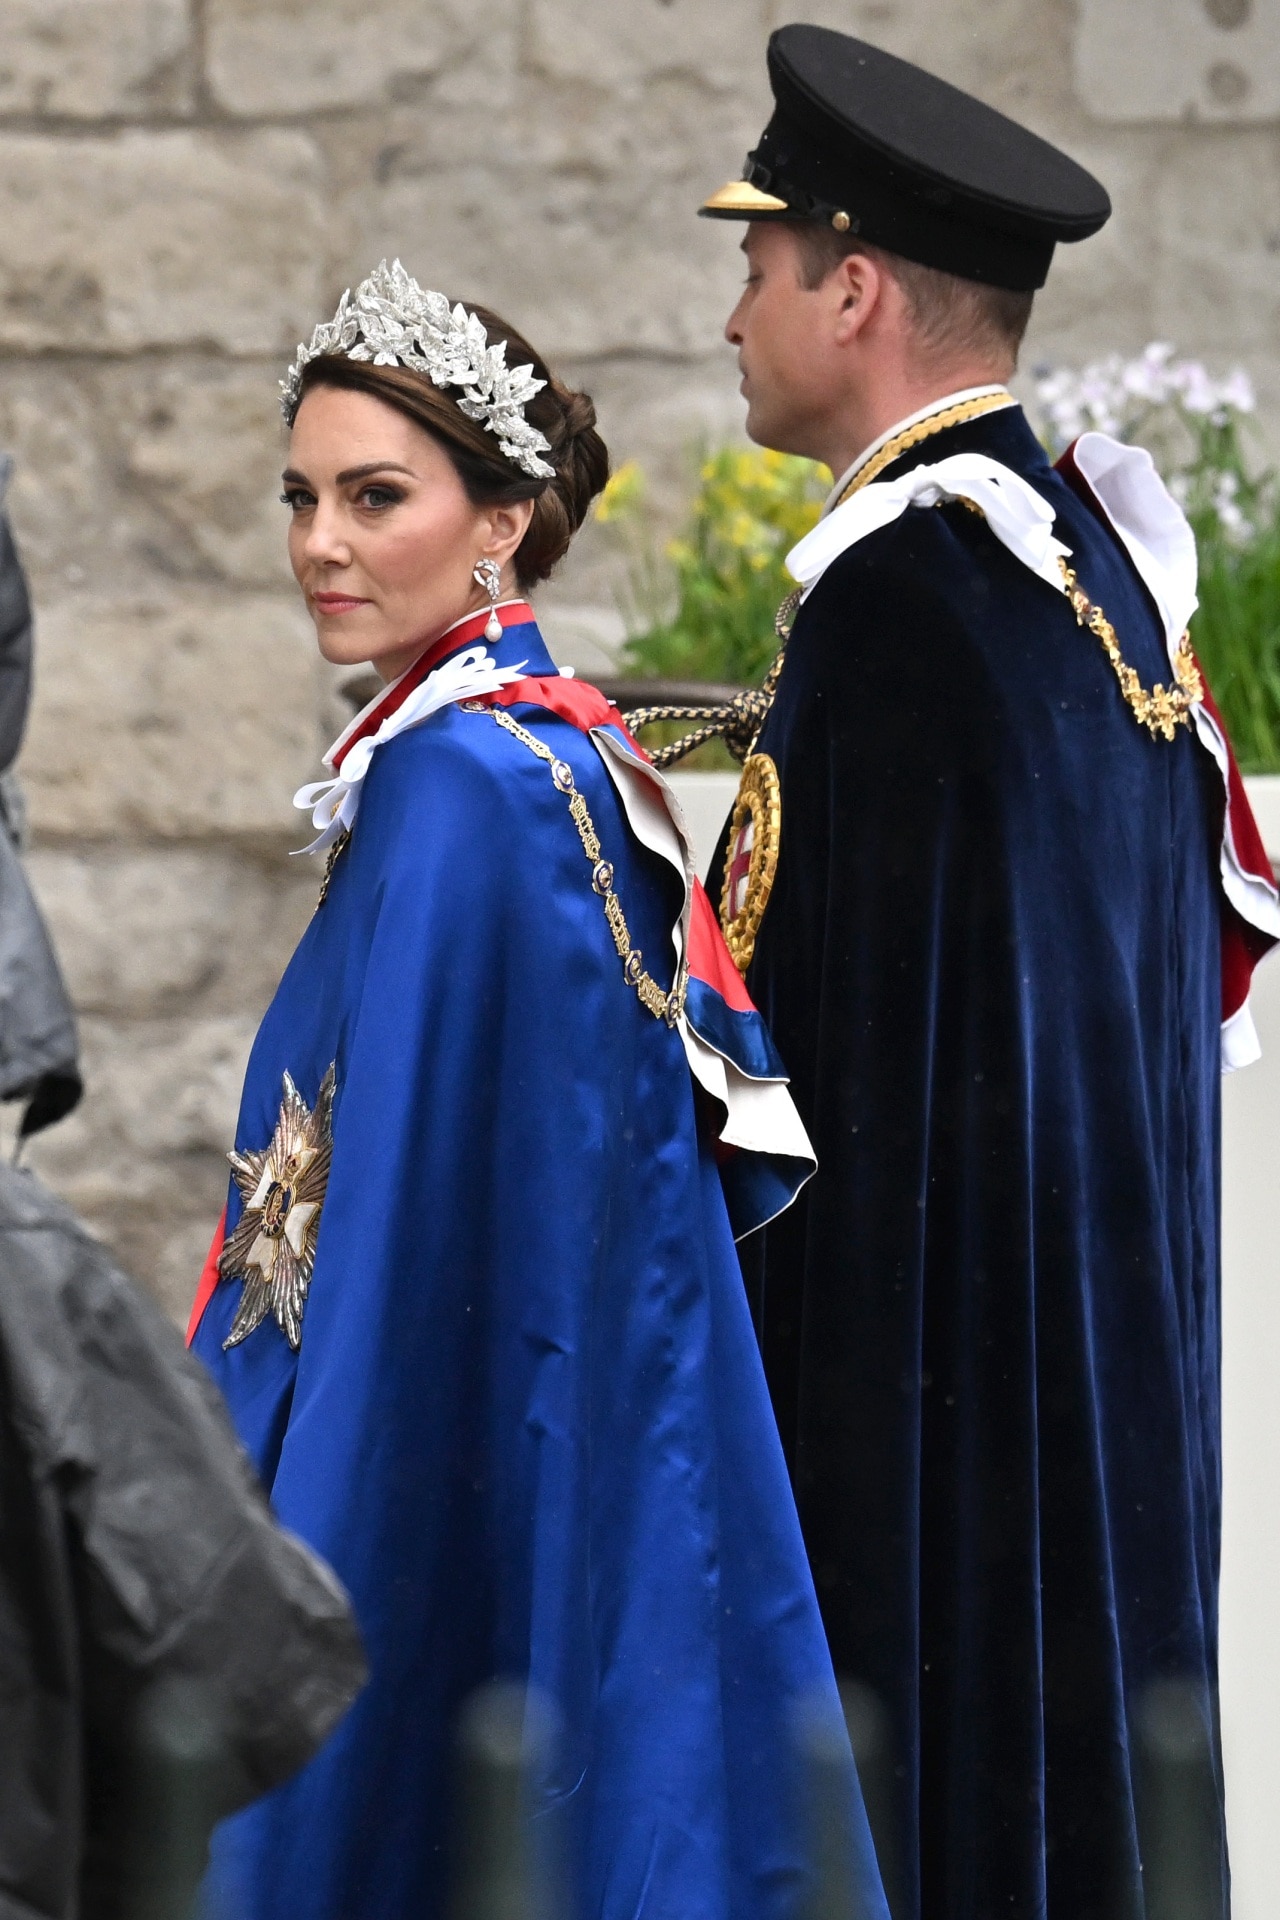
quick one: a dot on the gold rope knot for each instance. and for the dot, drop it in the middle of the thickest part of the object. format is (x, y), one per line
(738, 721)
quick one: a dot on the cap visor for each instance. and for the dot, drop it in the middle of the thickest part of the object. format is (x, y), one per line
(739, 200)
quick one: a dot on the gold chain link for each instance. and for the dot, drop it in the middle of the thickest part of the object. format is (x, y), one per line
(662, 1005)
(1164, 708)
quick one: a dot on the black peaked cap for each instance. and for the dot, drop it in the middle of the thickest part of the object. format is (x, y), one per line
(874, 146)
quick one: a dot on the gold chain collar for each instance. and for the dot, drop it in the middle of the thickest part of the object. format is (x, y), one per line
(1161, 710)
(1164, 708)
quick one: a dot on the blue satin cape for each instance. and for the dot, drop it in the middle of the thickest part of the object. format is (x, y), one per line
(528, 1423)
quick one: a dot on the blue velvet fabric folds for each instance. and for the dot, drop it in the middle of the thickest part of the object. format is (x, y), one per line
(527, 1423)
(991, 967)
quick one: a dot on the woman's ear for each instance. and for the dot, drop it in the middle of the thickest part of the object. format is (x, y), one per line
(508, 526)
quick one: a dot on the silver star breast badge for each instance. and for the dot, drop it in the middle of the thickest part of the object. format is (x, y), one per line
(273, 1248)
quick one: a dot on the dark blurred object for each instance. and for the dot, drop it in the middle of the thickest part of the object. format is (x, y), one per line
(38, 1049)
(167, 1652)
(826, 1780)
(15, 636)
(38, 1052)
(503, 1871)
(1179, 1803)
(628, 695)
(871, 1737)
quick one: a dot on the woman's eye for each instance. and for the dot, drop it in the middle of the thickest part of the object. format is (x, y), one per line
(296, 497)
(377, 497)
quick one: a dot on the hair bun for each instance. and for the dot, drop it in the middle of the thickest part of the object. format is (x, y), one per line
(578, 453)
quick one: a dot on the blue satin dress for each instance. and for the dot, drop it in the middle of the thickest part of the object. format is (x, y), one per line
(527, 1421)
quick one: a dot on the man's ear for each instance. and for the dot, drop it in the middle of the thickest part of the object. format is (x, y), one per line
(857, 285)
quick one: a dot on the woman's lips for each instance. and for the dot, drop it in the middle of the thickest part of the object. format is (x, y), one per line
(336, 602)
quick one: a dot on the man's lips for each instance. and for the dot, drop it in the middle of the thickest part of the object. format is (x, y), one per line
(337, 602)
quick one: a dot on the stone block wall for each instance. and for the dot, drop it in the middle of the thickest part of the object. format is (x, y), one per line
(185, 188)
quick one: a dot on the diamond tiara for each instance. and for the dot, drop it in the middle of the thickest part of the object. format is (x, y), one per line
(391, 320)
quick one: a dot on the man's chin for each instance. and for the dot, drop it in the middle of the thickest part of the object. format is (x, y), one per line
(768, 430)
(760, 427)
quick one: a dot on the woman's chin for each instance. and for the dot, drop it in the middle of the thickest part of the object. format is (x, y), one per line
(347, 646)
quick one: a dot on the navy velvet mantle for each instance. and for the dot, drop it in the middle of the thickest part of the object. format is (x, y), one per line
(990, 1325)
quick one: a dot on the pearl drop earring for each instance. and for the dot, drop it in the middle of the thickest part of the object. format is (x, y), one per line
(488, 574)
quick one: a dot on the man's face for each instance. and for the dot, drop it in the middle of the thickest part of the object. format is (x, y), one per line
(783, 333)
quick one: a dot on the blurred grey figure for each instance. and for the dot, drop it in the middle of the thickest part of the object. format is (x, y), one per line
(167, 1652)
(505, 1867)
(828, 1748)
(37, 1028)
(1178, 1792)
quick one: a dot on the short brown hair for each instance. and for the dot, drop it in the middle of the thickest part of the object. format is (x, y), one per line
(950, 314)
(566, 418)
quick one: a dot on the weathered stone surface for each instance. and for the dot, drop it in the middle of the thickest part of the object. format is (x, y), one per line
(1177, 60)
(174, 717)
(142, 1158)
(141, 239)
(1216, 266)
(89, 58)
(66, 510)
(580, 288)
(1111, 273)
(203, 447)
(717, 48)
(1014, 55)
(286, 57)
(126, 470)
(190, 931)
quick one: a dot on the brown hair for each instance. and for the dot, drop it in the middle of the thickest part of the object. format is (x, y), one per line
(950, 315)
(568, 420)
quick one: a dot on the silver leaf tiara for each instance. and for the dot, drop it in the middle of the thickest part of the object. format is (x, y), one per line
(391, 320)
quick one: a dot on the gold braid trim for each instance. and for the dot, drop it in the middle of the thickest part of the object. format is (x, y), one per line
(903, 442)
(662, 1005)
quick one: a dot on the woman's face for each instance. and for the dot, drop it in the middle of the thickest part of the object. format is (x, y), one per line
(382, 536)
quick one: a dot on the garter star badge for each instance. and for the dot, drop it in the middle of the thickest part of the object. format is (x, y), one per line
(273, 1249)
(755, 833)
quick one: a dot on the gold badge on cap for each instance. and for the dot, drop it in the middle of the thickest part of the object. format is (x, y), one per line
(755, 834)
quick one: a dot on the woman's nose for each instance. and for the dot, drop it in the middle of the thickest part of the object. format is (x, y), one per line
(325, 541)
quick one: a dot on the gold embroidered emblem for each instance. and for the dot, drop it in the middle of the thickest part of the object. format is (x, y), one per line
(273, 1249)
(755, 833)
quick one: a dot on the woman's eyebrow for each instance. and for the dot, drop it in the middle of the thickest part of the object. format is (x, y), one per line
(349, 474)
